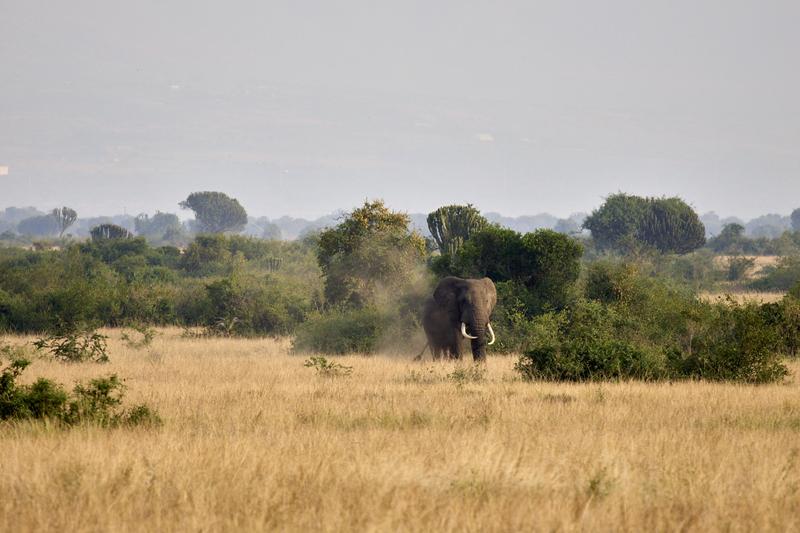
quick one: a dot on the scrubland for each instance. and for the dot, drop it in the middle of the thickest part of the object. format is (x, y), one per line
(254, 440)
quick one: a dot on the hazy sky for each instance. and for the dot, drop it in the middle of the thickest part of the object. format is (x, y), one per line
(300, 107)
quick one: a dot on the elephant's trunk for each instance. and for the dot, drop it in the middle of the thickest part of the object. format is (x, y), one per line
(478, 330)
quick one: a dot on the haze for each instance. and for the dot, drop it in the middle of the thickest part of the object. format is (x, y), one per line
(301, 108)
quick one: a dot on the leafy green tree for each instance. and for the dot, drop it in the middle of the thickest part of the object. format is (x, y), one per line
(371, 250)
(627, 223)
(65, 217)
(670, 225)
(729, 240)
(39, 226)
(615, 224)
(216, 212)
(452, 225)
(542, 265)
(105, 232)
(161, 227)
(795, 217)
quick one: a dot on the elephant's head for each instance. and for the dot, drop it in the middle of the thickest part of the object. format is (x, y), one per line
(469, 303)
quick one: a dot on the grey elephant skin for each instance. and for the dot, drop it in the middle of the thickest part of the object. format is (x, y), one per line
(459, 308)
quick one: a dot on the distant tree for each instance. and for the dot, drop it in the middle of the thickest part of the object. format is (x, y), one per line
(39, 226)
(371, 249)
(729, 240)
(159, 227)
(452, 225)
(614, 225)
(65, 217)
(105, 232)
(216, 212)
(628, 223)
(670, 225)
(567, 226)
(795, 216)
(272, 232)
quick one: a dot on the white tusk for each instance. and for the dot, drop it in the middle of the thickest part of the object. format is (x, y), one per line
(492, 332)
(464, 332)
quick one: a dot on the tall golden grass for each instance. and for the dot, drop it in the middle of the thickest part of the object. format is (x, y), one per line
(253, 440)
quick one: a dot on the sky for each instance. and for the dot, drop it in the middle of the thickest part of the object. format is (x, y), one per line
(305, 107)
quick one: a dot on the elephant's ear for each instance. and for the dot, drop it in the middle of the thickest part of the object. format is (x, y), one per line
(492, 290)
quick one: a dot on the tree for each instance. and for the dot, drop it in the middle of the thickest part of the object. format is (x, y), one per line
(105, 232)
(615, 223)
(371, 249)
(39, 226)
(159, 227)
(452, 225)
(65, 217)
(730, 239)
(627, 223)
(542, 265)
(216, 212)
(795, 217)
(670, 225)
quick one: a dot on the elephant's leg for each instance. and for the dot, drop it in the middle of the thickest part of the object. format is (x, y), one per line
(456, 349)
(436, 352)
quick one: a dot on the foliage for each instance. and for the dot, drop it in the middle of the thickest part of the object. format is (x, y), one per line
(98, 402)
(735, 343)
(739, 266)
(543, 265)
(779, 277)
(370, 253)
(468, 374)
(105, 232)
(342, 331)
(627, 223)
(65, 217)
(39, 226)
(160, 228)
(216, 212)
(452, 225)
(327, 369)
(795, 218)
(729, 240)
(73, 347)
(635, 327)
(146, 334)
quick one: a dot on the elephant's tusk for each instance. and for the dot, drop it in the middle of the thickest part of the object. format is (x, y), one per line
(464, 332)
(492, 333)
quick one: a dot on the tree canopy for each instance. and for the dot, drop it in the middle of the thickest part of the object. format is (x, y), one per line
(372, 248)
(452, 225)
(628, 223)
(216, 212)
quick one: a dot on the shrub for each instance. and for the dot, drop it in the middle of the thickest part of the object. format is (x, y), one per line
(739, 266)
(144, 338)
(584, 343)
(342, 331)
(75, 347)
(780, 277)
(735, 343)
(327, 369)
(98, 402)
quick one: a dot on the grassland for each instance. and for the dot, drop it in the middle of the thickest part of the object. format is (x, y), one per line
(253, 440)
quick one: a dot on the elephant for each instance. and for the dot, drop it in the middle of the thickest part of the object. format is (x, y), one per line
(459, 308)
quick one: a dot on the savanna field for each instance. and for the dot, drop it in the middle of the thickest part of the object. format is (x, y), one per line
(252, 439)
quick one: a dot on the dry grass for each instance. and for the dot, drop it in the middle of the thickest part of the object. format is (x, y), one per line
(743, 296)
(759, 262)
(253, 440)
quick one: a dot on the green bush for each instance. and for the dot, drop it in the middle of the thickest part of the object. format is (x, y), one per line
(636, 327)
(74, 347)
(735, 343)
(585, 343)
(342, 332)
(98, 402)
(780, 277)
